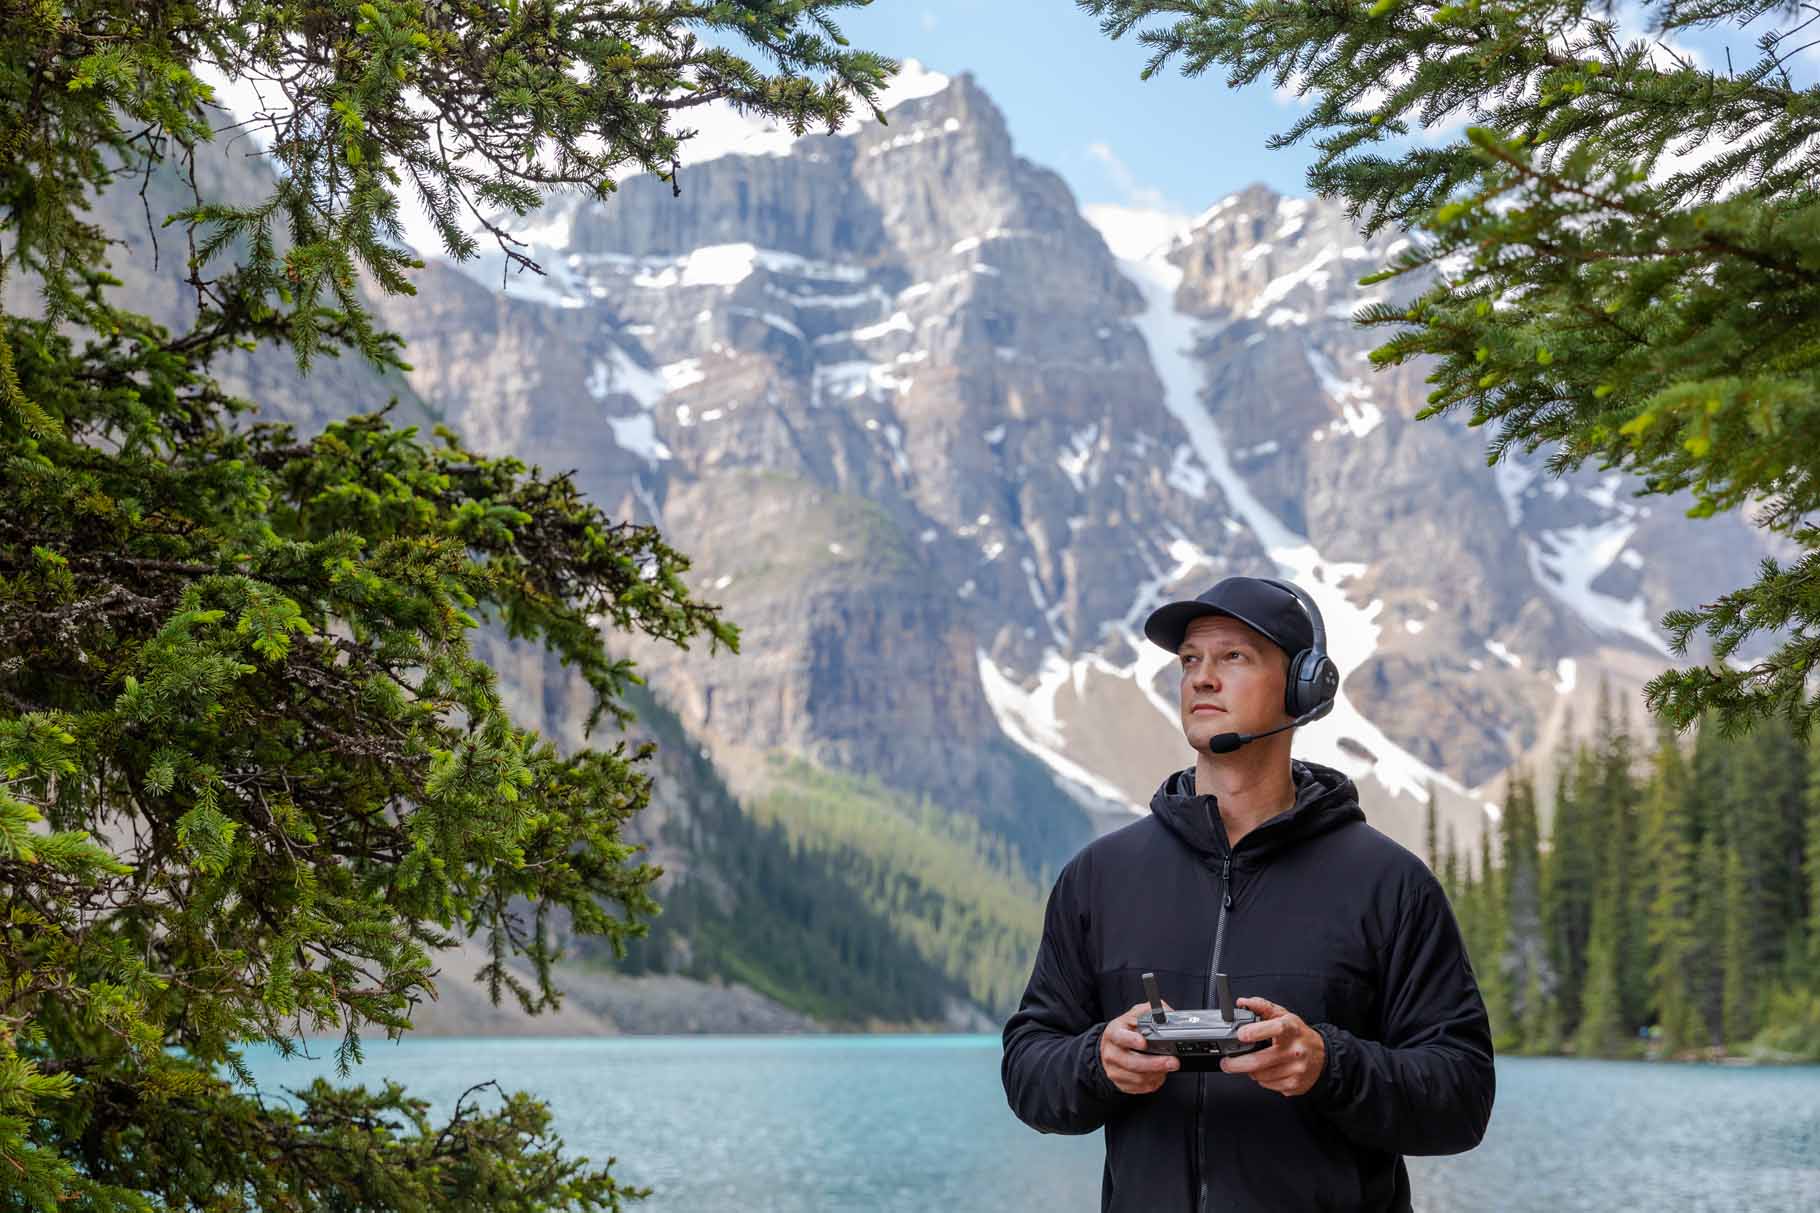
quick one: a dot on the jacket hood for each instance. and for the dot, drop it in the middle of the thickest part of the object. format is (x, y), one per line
(1325, 799)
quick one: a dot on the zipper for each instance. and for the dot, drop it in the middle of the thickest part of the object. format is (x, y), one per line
(1219, 931)
(1219, 943)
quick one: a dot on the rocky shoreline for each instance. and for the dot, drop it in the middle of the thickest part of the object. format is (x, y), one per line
(598, 1002)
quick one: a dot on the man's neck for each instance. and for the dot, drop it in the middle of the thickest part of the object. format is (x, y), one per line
(1250, 785)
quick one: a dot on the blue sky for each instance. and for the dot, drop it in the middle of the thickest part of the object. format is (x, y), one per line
(1075, 104)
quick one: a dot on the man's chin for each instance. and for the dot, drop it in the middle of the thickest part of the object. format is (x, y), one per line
(1201, 728)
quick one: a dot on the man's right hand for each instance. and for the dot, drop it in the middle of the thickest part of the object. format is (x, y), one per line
(1125, 1056)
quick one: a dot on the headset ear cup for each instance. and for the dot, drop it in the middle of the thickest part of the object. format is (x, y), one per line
(1313, 681)
(1296, 688)
(1323, 683)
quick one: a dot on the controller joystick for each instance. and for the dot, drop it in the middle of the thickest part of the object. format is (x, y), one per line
(1199, 1038)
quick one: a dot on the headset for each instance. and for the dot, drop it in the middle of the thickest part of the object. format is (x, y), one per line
(1313, 681)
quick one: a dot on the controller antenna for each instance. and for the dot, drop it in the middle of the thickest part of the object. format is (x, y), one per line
(1157, 1014)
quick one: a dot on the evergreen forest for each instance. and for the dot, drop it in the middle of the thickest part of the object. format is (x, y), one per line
(1669, 907)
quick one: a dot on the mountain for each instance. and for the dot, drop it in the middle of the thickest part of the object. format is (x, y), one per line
(937, 449)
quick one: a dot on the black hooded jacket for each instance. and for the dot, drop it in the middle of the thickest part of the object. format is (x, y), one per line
(1328, 918)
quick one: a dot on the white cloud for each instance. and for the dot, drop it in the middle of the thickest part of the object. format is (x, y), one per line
(1136, 194)
(1134, 232)
(1139, 224)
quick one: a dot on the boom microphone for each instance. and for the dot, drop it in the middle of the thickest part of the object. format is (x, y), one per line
(1226, 743)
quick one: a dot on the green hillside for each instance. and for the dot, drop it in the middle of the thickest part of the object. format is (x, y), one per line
(956, 893)
(759, 907)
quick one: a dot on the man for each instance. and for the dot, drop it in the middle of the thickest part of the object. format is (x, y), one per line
(1262, 867)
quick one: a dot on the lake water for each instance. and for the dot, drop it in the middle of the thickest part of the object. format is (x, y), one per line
(914, 1124)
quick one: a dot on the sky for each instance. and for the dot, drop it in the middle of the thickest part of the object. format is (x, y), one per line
(1074, 103)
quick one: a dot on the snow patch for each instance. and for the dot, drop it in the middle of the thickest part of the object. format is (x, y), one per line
(638, 434)
(1566, 675)
(1358, 415)
(1513, 480)
(1186, 475)
(618, 373)
(853, 381)
(678, 375)
(920, 133)
(722, 265)
(1293, 212)
(1566, 563)
(898, 323)
(899, 460)
(1311, 275)
(770, 319)
(1028, 719)
(1074, 460)
(1605, 493)
(1504, 654)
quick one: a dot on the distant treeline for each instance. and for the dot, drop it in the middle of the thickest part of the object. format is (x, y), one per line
(1675, 910)
(757, 906)
(956, 892)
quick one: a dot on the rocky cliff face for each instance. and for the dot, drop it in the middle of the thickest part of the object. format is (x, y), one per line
(938, 451)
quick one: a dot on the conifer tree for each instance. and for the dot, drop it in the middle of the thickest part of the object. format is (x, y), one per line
(1766, 772)
(1738, 1001)
(1527, 981)
(1487, 942)
(1573, 874)
(252, 777)
(1586, 292)
(1621, 855)
(1450, 867)
(1600, 1032)
(1812, 866)
(1670, 855)
(1707, 967)
(1540, 1026)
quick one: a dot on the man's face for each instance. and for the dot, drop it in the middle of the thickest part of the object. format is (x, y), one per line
(1232, 679)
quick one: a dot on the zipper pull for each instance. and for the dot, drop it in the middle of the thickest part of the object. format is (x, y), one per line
(1226, 882)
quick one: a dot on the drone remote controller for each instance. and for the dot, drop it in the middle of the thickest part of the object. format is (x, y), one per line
(1199, 1038)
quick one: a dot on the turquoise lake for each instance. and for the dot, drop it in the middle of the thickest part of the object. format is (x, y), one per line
(919, 1123)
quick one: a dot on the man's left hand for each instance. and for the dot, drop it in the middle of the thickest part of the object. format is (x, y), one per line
(1295, 1056)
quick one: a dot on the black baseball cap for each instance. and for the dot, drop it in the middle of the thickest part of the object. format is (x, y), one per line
(1268, 608)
